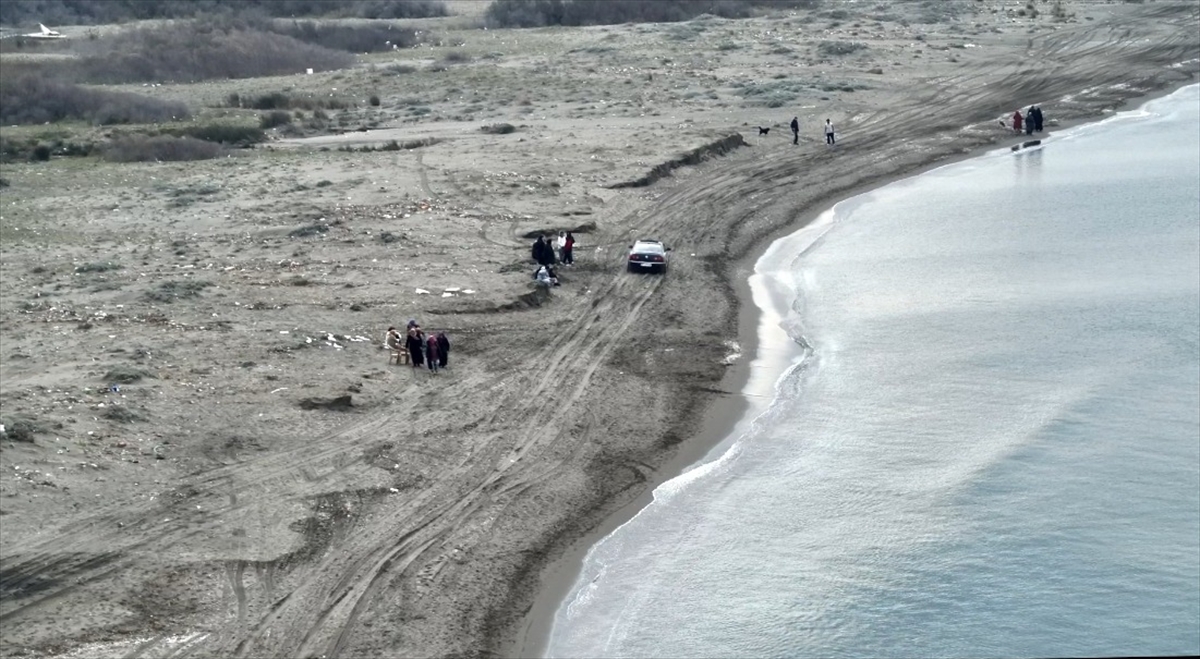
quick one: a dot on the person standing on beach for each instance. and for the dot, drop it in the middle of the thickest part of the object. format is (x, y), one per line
(560, 244)
(416, 345)
(1037, 119)
(795, 130)
(1016, 118)
(431, 353)
(569, 249)
(443, 349)
(829, 137)
(539, 247)
(1030, 115)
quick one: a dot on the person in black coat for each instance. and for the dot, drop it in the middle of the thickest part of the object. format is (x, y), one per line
(1037, 119)
(539, 246)
(416, 345)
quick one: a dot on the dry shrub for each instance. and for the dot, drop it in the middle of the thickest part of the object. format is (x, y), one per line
(32, 100)
(370, 38)
(142, 148)
(228, 134)
(92, 12)
(274, 119)
(538, 13)
(196, 51)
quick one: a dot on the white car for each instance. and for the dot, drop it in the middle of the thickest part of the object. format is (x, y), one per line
(648, 256)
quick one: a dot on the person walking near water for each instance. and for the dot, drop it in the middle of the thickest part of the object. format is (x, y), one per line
(1016, 119)
(829, 136)
(795, 130)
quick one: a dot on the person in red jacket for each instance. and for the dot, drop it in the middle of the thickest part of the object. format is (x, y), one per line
(568, 249)
(1017, 121)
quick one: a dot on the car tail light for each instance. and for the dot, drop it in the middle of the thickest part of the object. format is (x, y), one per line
(656, 258)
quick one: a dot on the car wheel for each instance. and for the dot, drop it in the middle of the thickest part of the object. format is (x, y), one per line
(629, 267)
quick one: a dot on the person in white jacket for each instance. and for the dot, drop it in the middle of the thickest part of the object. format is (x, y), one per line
(829, 132)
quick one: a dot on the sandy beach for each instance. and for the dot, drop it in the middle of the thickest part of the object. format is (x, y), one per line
(181, 337)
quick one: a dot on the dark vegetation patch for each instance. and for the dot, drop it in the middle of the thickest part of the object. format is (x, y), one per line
(167, 148)
(335, 404)
(392, 145)
(126, 374)
(12, 150)
(371, 38)
(839, 48)
(274, 119)
(282, 101)
(28, 99)
(228, 134)
(123, 414)
(539, 13)
(92, 12)
(97, 266)
(169, 291)
(21, 428)
(499, 129)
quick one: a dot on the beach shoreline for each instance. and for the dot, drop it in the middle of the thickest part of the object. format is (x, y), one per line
(221, 501)
(720, 423)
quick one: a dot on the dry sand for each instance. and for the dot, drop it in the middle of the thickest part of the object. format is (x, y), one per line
(201, 510)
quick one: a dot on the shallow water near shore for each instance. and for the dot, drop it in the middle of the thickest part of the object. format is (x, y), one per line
(988, 443)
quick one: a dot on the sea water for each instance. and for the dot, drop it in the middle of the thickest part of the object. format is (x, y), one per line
(987, 443)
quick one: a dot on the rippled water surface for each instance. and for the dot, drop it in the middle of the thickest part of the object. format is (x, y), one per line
(992, 448)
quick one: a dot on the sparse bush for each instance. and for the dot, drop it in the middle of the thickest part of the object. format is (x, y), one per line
(282, 101)
(28, 99)
(456, 57)
(233, 100)
(374, 101)
(122, 414)
(21, 428)
(838, 48)
(371, 38)
(772, 94)
(274, 118)
(141, 148)
(498, 129)
(97, 266)
(169, 291)
(41, 153)
(125, 374)
(228, 134)
(398, 69)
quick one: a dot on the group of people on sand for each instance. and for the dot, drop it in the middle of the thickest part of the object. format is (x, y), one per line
(547, 251)
(432, 350)
(1032, 120)
(830, 133)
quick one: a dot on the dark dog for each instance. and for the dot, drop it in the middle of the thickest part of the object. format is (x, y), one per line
(764, 131)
